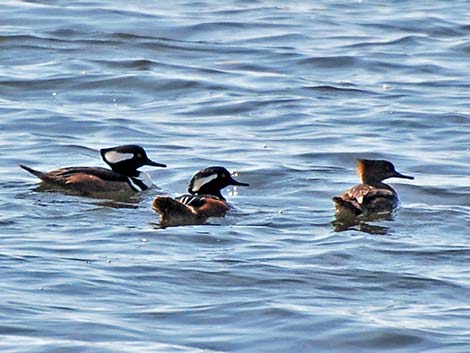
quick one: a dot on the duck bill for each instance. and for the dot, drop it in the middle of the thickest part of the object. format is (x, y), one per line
(238, 183)
(154, 164)
(403, 176)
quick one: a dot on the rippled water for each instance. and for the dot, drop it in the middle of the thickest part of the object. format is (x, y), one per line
(288, 94)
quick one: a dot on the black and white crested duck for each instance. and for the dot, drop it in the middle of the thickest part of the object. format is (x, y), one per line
(124, 175)
(204, 200)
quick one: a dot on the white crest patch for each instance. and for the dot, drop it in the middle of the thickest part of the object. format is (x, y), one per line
(200, 182)
(116, 157)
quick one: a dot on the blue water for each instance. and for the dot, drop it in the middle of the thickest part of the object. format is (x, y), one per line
(288, 94)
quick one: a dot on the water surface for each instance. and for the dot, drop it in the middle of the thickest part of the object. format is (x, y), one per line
(287, 94)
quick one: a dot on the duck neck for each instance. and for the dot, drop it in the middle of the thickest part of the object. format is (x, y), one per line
(376, 183)
(126, 171)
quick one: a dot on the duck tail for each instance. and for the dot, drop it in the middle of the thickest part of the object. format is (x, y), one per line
(173, 212)
(39, 174)
(345, 209)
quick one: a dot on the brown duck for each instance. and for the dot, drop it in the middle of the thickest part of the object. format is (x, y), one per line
(372, 197)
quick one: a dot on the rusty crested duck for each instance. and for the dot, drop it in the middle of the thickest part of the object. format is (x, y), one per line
(372, 197)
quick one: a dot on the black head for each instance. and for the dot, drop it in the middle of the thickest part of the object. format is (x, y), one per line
(127, 159)
(211, 180)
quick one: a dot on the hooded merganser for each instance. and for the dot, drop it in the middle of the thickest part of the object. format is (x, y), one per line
(204, 200)
(372, 197)
(124, 176)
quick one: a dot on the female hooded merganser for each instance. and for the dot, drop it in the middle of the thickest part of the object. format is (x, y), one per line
(124, 176)
(205, 199)
(372, 197)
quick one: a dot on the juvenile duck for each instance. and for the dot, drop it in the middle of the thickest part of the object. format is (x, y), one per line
(123, 176)
(204, 200)
(372, 197)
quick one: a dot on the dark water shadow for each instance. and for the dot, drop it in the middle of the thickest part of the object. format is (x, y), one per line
(105, 199)
(363, 224)
(212, 221)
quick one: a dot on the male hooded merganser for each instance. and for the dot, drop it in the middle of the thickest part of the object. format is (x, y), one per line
(124, 176)
(205, 199)
(372, 197)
